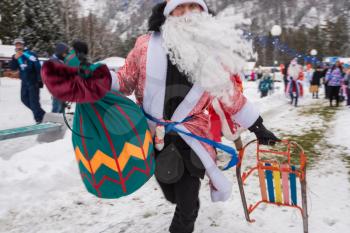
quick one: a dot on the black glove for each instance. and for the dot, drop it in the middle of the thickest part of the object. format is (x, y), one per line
(40, 84)
(263, 135)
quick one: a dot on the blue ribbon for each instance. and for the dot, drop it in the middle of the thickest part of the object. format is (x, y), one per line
(171, 126)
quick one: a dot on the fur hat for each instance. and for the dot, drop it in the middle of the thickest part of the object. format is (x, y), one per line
(172, 4)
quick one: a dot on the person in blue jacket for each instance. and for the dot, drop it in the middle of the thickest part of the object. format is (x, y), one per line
(29, 71)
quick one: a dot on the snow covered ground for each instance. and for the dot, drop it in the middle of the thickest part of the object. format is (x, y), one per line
(14, 114)
(41, 190)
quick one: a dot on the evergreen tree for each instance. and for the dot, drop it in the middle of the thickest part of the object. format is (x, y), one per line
(12, 15)
(43, 25)
(71, 21)
(342, 35)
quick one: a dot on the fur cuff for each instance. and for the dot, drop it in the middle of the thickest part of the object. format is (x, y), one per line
(65, 84)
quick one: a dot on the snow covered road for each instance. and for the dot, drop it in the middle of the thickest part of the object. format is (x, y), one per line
(41, 190)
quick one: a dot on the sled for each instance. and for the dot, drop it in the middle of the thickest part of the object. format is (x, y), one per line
(29, 130)
(52, 129)
(278, 170)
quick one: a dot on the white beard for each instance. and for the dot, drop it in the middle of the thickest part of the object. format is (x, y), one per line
(208, 49)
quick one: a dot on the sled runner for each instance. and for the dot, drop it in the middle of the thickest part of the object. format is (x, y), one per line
(46, 137)
(278, 170)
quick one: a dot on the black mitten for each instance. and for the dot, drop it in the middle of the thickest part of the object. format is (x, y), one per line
(263, 135)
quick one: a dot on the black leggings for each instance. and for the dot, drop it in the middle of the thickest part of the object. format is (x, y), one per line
(334, 94)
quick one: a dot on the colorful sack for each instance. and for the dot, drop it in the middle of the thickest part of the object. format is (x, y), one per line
(111, 139)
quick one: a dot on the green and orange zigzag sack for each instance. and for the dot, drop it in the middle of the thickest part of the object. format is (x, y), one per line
(111, 138)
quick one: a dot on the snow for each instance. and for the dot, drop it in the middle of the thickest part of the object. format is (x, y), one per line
(311, 19)
(341, 136)
(7, 50)
(41, 190)
(14, 114)
(92, 6)
(114, 63)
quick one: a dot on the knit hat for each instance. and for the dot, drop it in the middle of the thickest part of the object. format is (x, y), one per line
(61, 48)
(172, 4)
(18, 40)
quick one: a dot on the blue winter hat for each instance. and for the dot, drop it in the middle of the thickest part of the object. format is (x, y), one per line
(61, 48)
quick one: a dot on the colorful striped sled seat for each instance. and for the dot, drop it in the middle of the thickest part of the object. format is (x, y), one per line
(278, 169)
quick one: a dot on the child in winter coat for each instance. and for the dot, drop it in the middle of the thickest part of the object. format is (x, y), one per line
(265, 85)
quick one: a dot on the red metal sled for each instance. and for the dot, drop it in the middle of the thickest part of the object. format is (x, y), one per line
(278, 168)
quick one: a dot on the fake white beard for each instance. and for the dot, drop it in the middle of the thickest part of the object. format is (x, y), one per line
(208, 49)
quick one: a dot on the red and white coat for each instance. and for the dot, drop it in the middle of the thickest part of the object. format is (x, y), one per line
(144, 74)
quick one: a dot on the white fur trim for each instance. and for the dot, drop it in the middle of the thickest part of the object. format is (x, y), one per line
(115, 81)
(156, 71)
(247, 116)
(170, 6)
(225, 128)
(220, 182)
(188, 104)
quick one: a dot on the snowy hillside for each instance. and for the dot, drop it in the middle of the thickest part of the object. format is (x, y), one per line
(43, 193)
(131, 16)
(92, 6)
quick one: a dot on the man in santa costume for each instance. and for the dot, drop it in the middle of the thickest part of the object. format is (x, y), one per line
(184, 66)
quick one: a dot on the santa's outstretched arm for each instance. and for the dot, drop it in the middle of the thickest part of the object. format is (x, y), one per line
(246, 114)
(125, 80)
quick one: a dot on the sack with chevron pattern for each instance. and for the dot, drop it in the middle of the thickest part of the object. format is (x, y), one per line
(112, 142)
